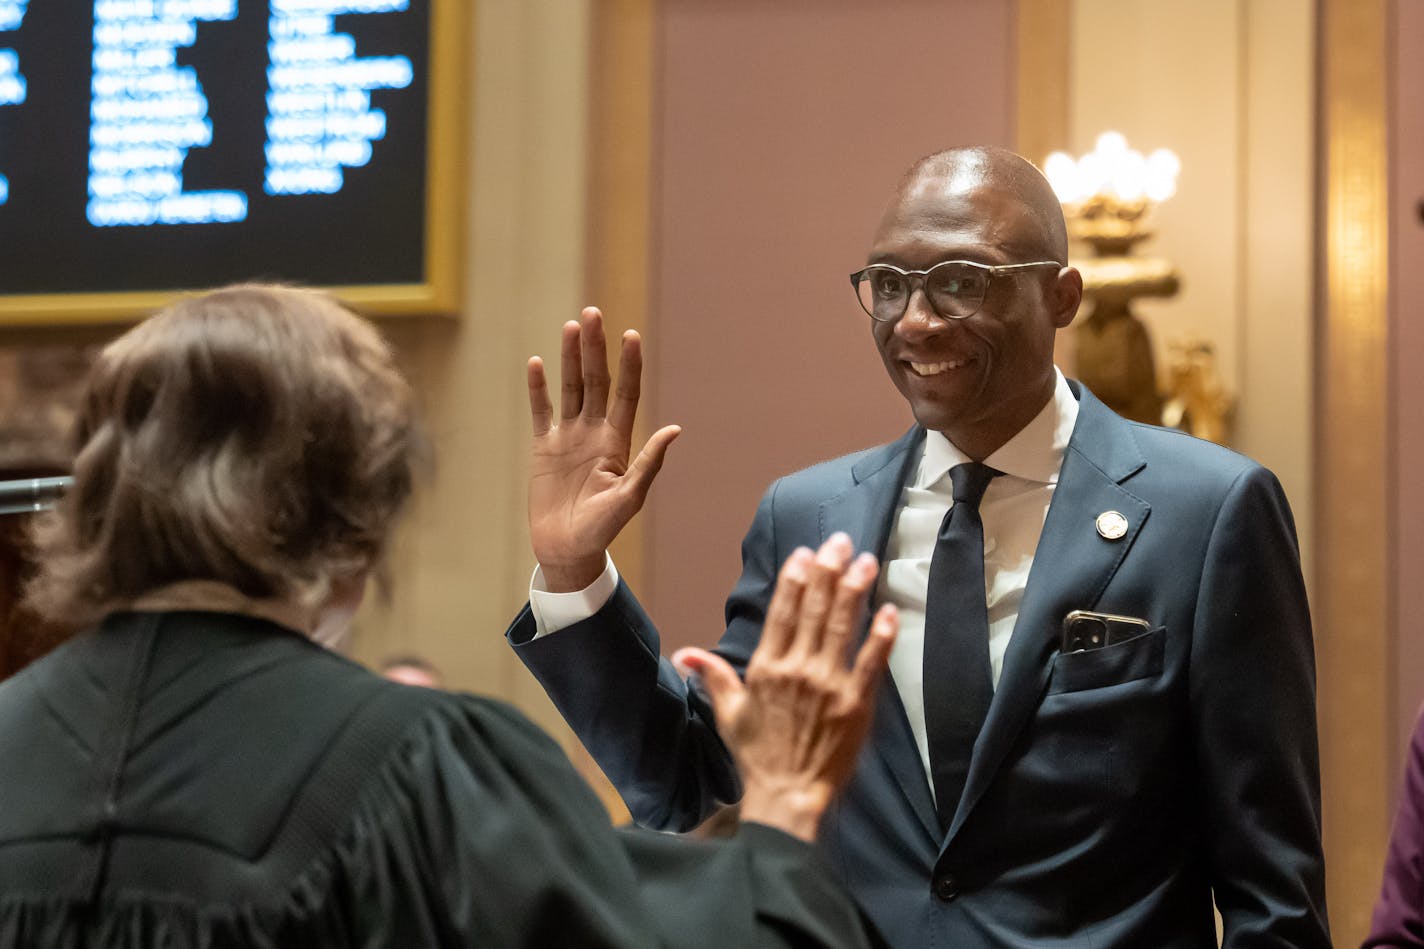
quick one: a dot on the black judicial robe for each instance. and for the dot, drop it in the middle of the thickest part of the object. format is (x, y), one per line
(191, 779)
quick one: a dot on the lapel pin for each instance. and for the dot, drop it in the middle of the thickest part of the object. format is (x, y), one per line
(1112, 525)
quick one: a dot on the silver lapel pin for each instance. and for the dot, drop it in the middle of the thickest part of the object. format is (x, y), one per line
(1112, 525)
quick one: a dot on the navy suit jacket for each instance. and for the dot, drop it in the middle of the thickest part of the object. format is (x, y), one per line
(1112, 792)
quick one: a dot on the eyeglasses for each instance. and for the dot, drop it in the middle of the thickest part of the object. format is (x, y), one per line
(955, 289)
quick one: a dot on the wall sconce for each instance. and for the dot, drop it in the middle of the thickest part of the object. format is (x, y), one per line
(1107, 198)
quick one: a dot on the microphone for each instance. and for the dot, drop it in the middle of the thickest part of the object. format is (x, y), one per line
(25, 495)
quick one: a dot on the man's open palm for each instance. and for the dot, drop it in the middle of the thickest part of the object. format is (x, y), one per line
(582, 488)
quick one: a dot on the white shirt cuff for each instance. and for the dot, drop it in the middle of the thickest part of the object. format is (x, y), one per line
(554, 611)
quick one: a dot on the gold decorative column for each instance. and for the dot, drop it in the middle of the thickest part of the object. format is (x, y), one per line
(620, 197)
(1041, 109)
(621, 89)
(1042, 77)
(1353, 619)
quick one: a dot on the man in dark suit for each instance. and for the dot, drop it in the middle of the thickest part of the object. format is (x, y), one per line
(1120, 728)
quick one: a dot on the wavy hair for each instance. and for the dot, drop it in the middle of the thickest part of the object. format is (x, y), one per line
(260, 436)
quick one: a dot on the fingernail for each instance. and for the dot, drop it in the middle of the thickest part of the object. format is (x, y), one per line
(834, 550)
(684, 662)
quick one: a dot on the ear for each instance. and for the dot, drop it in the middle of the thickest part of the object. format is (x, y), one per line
(1066, 296)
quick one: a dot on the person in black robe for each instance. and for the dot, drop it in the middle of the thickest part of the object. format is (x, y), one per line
(197, 770)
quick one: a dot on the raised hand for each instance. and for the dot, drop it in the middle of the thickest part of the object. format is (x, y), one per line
(582, 488)
(796, 725)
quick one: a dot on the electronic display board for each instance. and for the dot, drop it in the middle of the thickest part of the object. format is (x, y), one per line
(153, 146)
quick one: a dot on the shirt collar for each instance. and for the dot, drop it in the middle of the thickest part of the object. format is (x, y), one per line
(1034, 454)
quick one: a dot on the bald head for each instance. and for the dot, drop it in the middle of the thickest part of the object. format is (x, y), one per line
(984, 168)
(977, 377)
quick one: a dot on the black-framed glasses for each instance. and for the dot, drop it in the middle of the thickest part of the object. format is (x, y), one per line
(955, 289)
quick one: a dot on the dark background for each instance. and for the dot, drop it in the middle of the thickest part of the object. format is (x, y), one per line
(371, 232)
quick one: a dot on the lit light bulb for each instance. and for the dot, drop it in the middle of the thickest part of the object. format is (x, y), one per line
(1129, 180)
(1110, 145)
(1093, 174)
(1162, 169)
(1062, 173)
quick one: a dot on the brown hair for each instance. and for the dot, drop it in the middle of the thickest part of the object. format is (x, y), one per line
(260, 436)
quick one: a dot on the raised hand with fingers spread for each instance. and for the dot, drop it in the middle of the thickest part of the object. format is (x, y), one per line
(1100, 792)
(582, 488)
(796, 725)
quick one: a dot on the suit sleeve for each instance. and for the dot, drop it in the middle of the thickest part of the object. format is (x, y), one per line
(1252, 694)
(651, 732)
(1399, 913)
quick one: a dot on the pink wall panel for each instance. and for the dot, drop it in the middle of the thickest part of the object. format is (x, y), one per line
(1406, 282)
(782, 127)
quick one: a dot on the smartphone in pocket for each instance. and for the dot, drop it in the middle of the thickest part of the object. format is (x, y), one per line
(1086, 629)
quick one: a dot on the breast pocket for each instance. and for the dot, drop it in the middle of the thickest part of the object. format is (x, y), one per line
(1137, 658)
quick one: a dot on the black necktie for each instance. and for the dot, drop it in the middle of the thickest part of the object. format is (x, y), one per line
(957, 680)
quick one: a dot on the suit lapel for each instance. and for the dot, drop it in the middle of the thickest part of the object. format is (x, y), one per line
(1071, 567)
(867, 513)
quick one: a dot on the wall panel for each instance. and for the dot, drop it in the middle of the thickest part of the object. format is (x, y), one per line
(1406, 212)
(782, 127)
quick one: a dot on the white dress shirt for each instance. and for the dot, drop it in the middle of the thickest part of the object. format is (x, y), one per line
(1013, 510)
(554, 611)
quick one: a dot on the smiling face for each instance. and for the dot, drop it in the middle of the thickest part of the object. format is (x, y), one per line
(981, 379)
